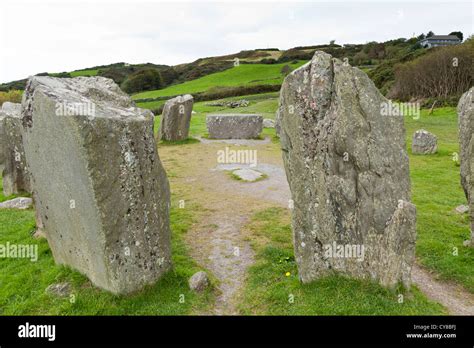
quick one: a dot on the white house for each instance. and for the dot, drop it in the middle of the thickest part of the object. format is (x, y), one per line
(439, 40)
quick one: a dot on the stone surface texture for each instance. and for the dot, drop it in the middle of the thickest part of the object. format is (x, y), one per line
(16, 178)
(466, 143)
(424, 143)
(17, 203)
(347, 168)
(199, 281)
(234, 126)
(176, 118)
(100, 190)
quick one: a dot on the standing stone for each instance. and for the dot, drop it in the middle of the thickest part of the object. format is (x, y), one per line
(466, 142)
(347, 168)
(176, 118)
(2, 141)
(15, 173)
(99, 186)
(234, 126)
(424, 143)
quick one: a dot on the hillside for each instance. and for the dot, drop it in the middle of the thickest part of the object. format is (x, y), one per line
(248, 74)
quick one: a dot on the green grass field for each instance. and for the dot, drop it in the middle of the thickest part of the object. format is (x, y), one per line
(23, 283)
(244, 74)
(273, 287)
(90, 72)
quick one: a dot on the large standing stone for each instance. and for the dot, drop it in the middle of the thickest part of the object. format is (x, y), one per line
(466, 142)
(2, 141)
(424, 143)
(234, 126)
(348, 172)
(100, 189)
(176, 118)
(16, 178)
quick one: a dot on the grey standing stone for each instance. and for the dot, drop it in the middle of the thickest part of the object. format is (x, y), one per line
(16, 178)
(348, 172)
(2, 141)
(234, 126)
(99, 186)
(176, 118)
(466, 142)
(424, 143)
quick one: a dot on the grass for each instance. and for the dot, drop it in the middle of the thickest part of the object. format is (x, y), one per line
(436, 192)
(273, 287)
(88, 72)
(244, 74)
(23, 283)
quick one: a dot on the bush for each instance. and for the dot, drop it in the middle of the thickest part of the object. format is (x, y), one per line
(444, 72)
(13, 96)
(143, 80)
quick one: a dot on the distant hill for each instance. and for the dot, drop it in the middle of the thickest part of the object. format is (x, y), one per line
(149, 80)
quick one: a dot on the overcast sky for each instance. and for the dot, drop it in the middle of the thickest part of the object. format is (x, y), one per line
(68, 35)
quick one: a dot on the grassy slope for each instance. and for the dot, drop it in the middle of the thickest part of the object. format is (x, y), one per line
(244, 74)
(23, 283)
(88, 72)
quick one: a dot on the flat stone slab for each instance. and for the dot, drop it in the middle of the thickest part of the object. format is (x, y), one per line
(268, 123)
(462, 209)
(246, 174)
(17, 203)
(234, 126)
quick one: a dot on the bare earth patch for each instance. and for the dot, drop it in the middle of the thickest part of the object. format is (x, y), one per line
(455, 298)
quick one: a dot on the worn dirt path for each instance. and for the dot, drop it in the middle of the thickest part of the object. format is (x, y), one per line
(456, 299)
(217, 241)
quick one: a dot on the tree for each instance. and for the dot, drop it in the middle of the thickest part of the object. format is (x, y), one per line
(421, 37)
(458, 34)
(361, 58)
(142, 80)
(332, 42)
(430, 34)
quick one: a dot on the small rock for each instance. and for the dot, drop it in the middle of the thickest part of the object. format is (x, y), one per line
(17, 203)
(268, 123)
(59, 289)
(39, 234)
(247, 174)
(462, 209)
(424, 143)
(466, 243)
(199, 281)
